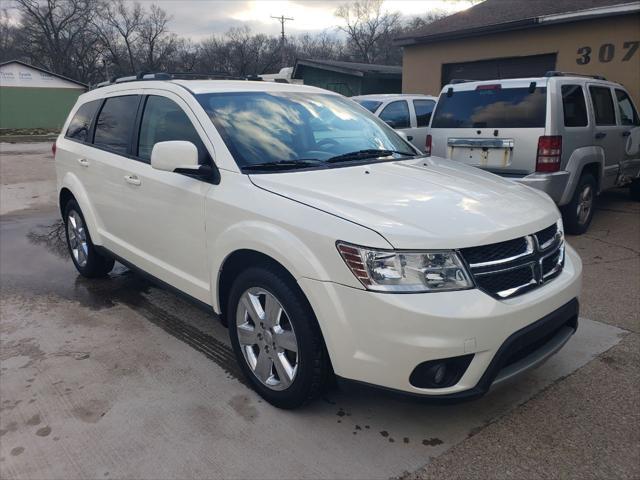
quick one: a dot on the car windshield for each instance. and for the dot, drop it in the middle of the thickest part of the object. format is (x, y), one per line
(293, 130)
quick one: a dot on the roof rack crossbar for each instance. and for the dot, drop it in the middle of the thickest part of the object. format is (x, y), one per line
(557, 73)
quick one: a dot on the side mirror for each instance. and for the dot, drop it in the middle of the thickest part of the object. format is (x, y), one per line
(175, 155)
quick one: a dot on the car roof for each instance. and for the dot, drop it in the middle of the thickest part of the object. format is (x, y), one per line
(201, 86)
(525, 82)
(389, 96)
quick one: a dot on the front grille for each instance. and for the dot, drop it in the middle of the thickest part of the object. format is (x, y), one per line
(515, 266)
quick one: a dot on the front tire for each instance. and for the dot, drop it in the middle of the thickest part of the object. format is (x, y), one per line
(88, 261)
(578, 213)
(276, 338)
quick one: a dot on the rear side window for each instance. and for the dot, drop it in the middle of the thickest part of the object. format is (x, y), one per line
(162, 121)
(371, 105)
(81, 122)
(115, 123)
(628, 114)
(396, 114)
(492, 108)
(602, 105)
(574, 106)
(424, 109)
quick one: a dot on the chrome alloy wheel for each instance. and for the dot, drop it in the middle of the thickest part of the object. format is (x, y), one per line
(267, 339)
(585, 204)
(77, 235)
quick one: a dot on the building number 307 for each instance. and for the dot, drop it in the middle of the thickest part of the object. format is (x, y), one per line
(607, 52)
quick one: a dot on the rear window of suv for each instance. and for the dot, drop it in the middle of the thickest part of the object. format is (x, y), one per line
(80, 124)
(492, 108)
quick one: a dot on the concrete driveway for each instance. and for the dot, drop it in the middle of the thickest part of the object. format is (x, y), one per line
(116, 378)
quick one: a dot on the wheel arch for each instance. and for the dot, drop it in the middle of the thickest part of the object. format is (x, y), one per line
(72, 189)
(583, 159)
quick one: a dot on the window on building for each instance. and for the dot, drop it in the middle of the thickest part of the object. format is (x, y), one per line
(81, 122)
(628, 113)
(424, 109)
(574, 106)
(162, 121)
(115, 123)
(602, 105)
(396, 114)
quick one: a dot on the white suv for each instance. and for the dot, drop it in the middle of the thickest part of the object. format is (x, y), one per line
(320, 237)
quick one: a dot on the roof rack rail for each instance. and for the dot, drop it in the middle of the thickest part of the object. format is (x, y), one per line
(454, 81)
(141, 76)
(557, 73)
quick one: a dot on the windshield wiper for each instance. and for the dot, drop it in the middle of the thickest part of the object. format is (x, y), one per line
(365, 154)
(284, 164)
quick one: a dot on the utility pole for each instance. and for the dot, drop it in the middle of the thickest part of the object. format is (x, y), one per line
(282, 19)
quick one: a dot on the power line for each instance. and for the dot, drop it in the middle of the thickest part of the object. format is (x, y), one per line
(282, 19)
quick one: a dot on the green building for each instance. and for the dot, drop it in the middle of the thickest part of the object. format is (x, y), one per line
(349, 78)
(31, 97)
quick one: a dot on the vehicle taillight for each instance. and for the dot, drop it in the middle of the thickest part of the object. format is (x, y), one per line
(427, 146)
(493, 86)
(53, 149)
(549, 153)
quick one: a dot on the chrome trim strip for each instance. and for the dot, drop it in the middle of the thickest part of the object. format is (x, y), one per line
(527, 252)
(481, 142)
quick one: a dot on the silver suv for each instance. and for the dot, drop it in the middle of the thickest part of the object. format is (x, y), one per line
(570, 136)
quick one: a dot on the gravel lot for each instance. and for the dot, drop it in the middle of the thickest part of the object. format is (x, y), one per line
(119, 379)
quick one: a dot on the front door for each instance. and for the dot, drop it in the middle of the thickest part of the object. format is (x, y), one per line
(161, 214)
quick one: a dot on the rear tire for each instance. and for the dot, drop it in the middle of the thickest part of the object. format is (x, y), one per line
(578, 213)
(281, 352)
(634, 190)
(87, 259)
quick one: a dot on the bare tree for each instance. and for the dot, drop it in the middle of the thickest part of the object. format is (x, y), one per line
(118, 22)
(369, 30)
(10, 38)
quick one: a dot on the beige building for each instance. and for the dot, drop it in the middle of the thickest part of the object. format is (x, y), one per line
(521, 38)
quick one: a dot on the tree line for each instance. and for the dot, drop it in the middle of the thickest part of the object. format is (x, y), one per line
(93, 40)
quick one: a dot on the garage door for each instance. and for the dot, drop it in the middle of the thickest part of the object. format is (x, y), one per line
(510, 67)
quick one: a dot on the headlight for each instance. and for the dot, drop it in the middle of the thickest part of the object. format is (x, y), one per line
(397, 271)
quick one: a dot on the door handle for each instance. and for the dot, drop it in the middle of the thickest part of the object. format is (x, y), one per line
(409, 137)
(626, 134)
(600, 135)
(83, 162)
(132, 179)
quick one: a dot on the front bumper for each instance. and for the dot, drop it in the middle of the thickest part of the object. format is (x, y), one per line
(553, 184)
(379, 338)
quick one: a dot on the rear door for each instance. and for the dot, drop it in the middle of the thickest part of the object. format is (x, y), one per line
(606, 133)
(494, 126)
(397, 115)
(630, 123)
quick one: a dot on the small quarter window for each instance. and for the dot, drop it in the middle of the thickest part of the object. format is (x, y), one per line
(115, 123)
(628, 113)
(424, 109)
(81, 122)
(163, 120)
(396, 114)
(574, 106)
(602, 105)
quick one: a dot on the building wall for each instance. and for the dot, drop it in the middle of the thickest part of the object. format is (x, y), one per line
(422, 64)
(337, 82)
(26, 107)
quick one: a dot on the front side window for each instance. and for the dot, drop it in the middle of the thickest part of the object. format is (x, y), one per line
(371, 105)
(396, 114)
(294, 127)
(81, 122)
(602, 105)
(628, 114)
(424, 109)
(574, 106)
(492, 108)
(115, 123)
(162, 121)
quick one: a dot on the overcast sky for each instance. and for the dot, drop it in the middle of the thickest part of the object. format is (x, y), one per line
(200, 18)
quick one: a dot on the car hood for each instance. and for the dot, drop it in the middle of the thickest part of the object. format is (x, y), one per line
(420, 203)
